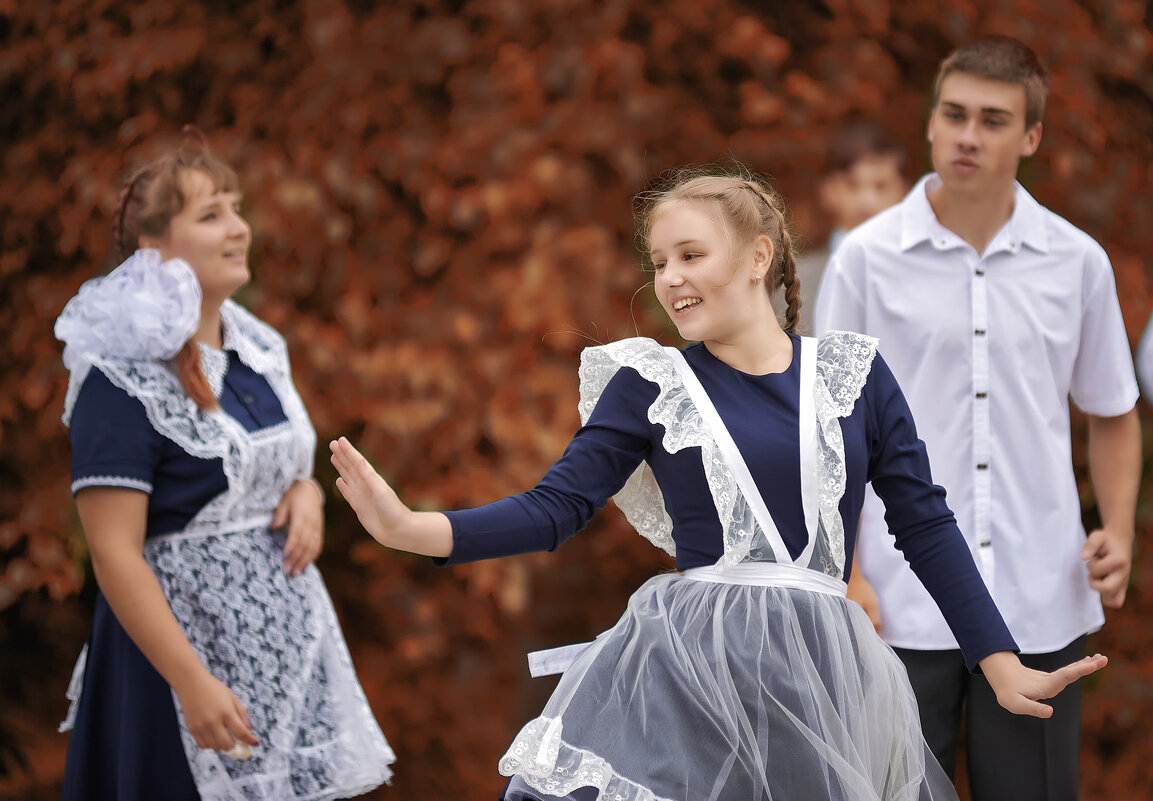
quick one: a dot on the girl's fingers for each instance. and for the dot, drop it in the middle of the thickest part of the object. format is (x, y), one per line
(1026, 706)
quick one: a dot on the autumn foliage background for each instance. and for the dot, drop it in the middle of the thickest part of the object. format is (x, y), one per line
(441, 195)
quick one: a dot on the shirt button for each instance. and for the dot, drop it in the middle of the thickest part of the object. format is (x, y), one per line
(986, 543)
(248, 398)
(979, 332)
(980, 271)
(983, 466)
(982, 394)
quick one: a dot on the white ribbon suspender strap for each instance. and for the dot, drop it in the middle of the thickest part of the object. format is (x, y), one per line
(555, 660)
(810, 478)
(731, 455)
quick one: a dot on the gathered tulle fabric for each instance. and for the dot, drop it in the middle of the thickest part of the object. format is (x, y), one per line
(712, 691)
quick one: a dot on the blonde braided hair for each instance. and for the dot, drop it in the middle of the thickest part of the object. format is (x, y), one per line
(749, 208)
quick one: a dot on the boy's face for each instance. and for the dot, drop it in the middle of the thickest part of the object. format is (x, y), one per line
(977, 133)
(872, 184)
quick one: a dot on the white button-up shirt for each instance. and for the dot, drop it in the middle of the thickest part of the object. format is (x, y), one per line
(988, 348)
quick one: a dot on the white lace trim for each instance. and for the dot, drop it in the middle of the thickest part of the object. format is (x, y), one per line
(214, 363)
(75, 685)
(844, 359)
(111, 481)
(843, 363)
(547, 763)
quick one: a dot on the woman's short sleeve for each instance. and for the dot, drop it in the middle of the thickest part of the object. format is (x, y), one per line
(113, 444)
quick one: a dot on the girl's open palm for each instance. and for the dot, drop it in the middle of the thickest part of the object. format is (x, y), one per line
(381, 512)
(374, 501)
(1020, 689)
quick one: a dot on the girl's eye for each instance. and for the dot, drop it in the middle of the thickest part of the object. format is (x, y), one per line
(209, 217)
(658, 265)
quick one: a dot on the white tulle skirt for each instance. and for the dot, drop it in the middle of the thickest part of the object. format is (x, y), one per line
(712, 690)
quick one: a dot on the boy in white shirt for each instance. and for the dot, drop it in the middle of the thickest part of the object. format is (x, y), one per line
(992, 312)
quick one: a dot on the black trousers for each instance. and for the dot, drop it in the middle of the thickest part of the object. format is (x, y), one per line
(1009, 756)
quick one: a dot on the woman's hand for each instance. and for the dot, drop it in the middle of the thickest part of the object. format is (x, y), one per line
(381, 512)
(214, 715)
(302, 508)
(1019, 689)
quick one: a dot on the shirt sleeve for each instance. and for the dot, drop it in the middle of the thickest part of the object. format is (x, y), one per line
(924, 527)
(1145, 361)
(1103, 382)
(839, 303)
(595, 465)
(113, 443)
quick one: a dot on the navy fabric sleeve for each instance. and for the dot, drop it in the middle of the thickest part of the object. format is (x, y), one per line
(595, 465)
(924, 526)
(113, 444)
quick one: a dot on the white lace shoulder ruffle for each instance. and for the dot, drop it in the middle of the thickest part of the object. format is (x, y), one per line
(843, 363)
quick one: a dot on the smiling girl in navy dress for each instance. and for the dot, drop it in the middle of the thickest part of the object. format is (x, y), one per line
(748, 674)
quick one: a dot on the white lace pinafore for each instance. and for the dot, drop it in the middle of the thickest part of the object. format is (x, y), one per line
(274, 640)
(754, 678)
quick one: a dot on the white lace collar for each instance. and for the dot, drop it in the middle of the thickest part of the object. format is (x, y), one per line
(245, 336)
(257, 345)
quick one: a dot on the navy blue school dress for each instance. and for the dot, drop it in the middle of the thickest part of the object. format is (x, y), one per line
(213, 480)
(747, 674)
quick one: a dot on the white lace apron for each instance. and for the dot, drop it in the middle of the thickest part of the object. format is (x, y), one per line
(273, 640)
(753, 678)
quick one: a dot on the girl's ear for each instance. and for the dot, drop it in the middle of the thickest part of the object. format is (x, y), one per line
(763, 253)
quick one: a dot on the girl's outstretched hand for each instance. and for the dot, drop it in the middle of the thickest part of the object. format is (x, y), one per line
(1020, 689)
(381, 512)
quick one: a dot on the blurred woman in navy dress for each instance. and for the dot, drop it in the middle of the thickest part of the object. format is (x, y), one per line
(216, 668)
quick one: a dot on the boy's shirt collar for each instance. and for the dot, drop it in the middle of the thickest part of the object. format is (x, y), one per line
(1026, 226)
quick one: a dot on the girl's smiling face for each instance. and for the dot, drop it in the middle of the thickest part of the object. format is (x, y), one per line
(708, 291)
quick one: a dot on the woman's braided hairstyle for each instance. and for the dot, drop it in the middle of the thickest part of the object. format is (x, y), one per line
(749, 208)
(150, 197)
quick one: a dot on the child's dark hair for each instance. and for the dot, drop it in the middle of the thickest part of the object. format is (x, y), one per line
(860, 139)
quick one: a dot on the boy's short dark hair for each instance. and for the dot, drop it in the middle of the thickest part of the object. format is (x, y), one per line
(862, 138)
(1001, 58)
